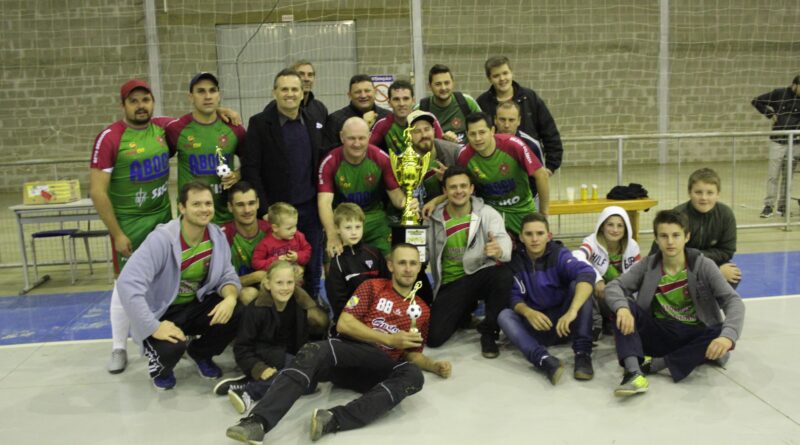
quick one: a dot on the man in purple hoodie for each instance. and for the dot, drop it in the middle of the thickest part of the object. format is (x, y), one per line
(549, 301)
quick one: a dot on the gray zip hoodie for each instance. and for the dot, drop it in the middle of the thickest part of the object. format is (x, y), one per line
(149, 282)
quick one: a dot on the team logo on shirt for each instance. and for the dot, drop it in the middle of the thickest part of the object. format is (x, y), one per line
(455, 122)
(478, 172)
(369, 263)
(352, 302)
(504, 169)
(223, 140)
(370, 179)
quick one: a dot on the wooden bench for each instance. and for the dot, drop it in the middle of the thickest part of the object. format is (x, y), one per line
(632, 206)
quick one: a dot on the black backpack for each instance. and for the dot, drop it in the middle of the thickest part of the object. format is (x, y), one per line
(630, 191)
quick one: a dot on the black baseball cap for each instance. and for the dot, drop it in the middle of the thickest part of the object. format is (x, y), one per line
(200, 76)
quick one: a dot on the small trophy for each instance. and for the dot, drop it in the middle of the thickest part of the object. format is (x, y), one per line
(414, 310)
(409, 169)
(222, 168)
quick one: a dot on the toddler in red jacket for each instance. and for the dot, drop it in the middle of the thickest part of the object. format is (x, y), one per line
(284, 243)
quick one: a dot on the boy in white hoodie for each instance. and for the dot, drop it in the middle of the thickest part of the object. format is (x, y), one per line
(611, 251)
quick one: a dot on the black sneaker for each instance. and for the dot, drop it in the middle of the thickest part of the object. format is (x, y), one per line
(647, 365)
(781, 210)
(322, 423)
(248, 430)
(222, 387)
(241, 400)
(553, 367)
(583, 367)
(489, 347)
(767, 212)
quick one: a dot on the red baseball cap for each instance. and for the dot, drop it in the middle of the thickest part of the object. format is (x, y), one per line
(127, 88)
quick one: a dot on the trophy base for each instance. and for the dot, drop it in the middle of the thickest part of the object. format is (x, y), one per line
(416, 235)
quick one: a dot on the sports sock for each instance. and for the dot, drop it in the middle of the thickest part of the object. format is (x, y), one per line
(632, 365)
(657, 364)
(120, 324)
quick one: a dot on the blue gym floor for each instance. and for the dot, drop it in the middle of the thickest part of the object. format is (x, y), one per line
(84, 316)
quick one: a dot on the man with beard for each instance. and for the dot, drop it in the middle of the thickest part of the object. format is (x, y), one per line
(128, 177)
(388, 133)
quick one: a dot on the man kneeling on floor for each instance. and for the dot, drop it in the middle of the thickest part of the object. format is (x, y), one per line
(549, 301)
(675, 316)
(378, 354)
(180, 281)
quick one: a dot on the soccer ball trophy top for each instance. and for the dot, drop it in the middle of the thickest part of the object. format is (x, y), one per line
(222, 168)
(414, 310)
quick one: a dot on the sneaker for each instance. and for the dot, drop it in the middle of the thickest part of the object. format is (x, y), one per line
(553, 367)
(489, 347)
(583, 367)
(248, 430)
(222, 387)
(322, 423)
(632, 383)
(646, 365)
(781, 210)
(767, 212)
(241, 400)
(164, 383)
(208, 369)
(118, 362)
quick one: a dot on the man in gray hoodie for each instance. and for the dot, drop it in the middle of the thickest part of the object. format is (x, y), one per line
(180, 281)
(668, 306)
(467, 245)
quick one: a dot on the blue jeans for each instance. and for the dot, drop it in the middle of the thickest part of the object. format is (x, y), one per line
(257, 388)
(532, 342)
(683, 346)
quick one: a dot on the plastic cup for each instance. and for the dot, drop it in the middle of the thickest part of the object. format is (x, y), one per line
(571, 194)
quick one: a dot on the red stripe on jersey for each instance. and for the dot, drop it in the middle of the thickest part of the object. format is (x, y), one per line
(457, 228)
(193, 259)
(666, 288)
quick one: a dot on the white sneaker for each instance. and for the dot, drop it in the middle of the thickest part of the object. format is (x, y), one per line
(118, 362)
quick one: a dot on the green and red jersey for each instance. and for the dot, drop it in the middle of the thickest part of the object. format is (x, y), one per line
(457, 232)
(388, 135)
(195, 261)
(672, 300)
(196, 145)
(138, 161)
(502, 177)
(242, 248)
(451, 116)
(363, 184)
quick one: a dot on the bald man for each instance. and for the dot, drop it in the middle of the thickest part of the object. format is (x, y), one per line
(361, 173)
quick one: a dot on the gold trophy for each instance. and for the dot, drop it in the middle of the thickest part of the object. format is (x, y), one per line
(409, 169)
(414, 310)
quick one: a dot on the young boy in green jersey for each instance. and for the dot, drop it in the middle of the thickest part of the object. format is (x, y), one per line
(675, 315)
